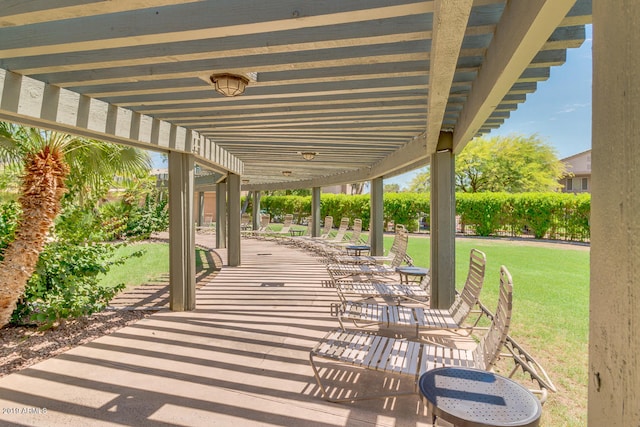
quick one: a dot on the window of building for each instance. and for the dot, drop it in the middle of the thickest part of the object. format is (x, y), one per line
(569, 184)
(585, 184)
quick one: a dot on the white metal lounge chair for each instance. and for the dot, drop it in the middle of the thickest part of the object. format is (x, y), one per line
(397, 252)
(284, 231)
(262, 230)
(319, 245)
(307, 241)
(402, 357)
(357, 291)
(422, 318)
(340, 271)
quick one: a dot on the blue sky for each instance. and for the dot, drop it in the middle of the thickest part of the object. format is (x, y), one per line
(559, 111)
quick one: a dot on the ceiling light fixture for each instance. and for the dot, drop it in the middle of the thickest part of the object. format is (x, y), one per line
(309, 155)
(286, 173)
(229, 84)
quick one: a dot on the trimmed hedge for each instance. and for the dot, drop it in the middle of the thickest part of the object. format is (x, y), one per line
(543, 215)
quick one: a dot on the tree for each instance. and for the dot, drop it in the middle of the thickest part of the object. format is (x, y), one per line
(421, 183)
(48, 160)
(513, 164)
(391, 188)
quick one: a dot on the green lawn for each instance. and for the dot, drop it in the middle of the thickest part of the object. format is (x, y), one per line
(152, 266)
(550, 310)
(135, 271)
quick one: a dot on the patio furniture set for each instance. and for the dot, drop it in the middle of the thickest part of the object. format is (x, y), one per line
(386, 325)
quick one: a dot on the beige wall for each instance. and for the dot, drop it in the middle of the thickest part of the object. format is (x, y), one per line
(209, 207)
(614, 340)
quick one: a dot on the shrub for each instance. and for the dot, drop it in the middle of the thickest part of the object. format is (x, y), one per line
(486, 211)
(543, 214)
(65, 283)
(123, 220)
(9, 213)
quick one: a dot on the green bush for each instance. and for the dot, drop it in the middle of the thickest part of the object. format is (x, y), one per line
(552, 215)
(487, 212)
(9, 213)
(65, 283)
(405, 208)
(123, 220)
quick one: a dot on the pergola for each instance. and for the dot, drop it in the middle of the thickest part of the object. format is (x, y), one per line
(370, 88)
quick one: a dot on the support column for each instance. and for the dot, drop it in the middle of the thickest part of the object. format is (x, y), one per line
(376, 223)
(614, 320)
(315, 212)
(233, 218)
(201, 208)
(255, 218)
(182, 234)
(221, 215)
(443, 231)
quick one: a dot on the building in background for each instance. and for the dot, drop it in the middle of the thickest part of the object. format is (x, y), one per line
(578, 178)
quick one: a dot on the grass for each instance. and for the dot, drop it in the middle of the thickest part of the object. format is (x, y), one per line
(551, 310)
(135, 271)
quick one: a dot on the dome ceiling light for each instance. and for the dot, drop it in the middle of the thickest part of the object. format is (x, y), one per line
(229, 84)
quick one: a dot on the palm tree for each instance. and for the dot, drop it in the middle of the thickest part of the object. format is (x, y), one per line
(49, 159)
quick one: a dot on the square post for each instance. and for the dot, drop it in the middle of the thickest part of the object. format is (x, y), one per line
(376, 224)
(315, 212)
(221, 215)
(201, 208)
(182, 234)
(614, 300)
(255, 217)
(233, 218)
(443, 232)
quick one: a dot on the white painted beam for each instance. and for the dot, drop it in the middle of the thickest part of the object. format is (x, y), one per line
(449, 25)
(25, 13)
(139, 29)
(34, 103)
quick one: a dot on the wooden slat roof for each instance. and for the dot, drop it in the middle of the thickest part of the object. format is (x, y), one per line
(367, 84)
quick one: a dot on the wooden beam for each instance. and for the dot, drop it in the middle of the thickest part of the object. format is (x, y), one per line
(449, 25)
(140, 27)
(34, 103)
(524, 28)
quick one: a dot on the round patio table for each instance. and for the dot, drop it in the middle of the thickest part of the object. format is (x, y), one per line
(407, 272)
(357, 250)
(474, 398)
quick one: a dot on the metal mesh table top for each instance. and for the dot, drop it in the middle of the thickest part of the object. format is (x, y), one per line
(471, 397)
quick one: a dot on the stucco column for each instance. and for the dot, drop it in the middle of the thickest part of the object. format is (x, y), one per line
(233, 218)
(182, 234)
(443, 211)
(376, 223)
(255, 217)
(315, 212)
(614, 321)
(221, 215)
(201, 208)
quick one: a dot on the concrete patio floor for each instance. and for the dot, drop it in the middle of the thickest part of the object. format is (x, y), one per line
(241, 358)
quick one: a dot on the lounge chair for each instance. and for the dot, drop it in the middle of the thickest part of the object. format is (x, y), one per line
(339, 271)
(262, 230)
(398, 251)
(403, 357)
(319, 245)
(422, 318)
(305, 241)
(245, 222)
(284, 231)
